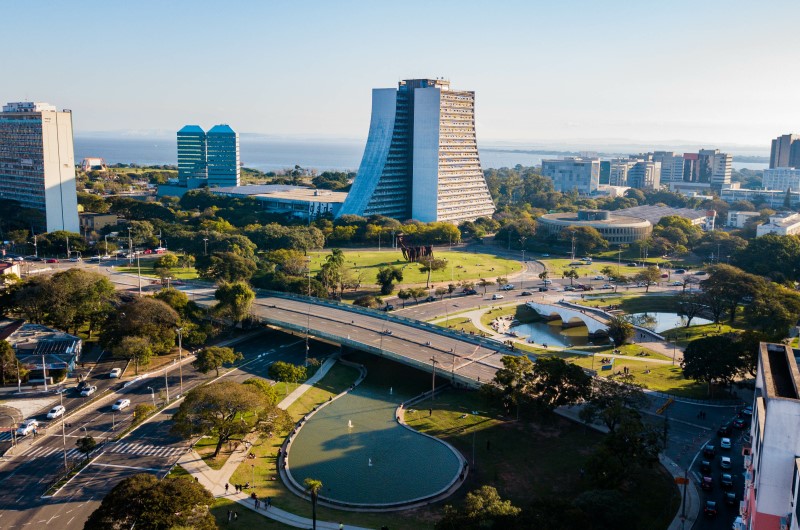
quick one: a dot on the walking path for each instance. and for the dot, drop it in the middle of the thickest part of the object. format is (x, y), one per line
(214, 480)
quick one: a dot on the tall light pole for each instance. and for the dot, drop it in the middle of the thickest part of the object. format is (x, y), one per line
(130, 247)
(205, 246)
(44, 373)
(139, 274)
(308, 307)
(180, 356)
(166, 382)
(153, 395)
(434, 362)
(63, 431)
(522, 241)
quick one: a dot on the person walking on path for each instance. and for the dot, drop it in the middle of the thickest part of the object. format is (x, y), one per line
(226, 488)
(269, 502)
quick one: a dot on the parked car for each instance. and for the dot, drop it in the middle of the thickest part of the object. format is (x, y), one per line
(705, 466)
(121, 404)
(700, 273)
(747, 411)
(547, 282)
(730, 498)
(710, 509)
(725, 443)
(387, 307)
(709, 450)
(569, 288)
(739, 423)
(525, 293)
(508, 287)
(56, 411)
(88, 391)
(606, 286)
(726, 480)
(497, 297)
(27, 427)
(470, 291)
(707, 483)
(725, 462)
(51, 260)
(676, 284)
(430, 299)
(115, 373)
(543, 289)
(665, 275)
(680, 271)
(599, 277)
(724, 430)
(633, 264)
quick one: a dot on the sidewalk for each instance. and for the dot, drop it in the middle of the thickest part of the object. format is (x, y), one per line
(214, 480)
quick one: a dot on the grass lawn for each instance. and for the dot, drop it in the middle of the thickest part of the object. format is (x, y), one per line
(525, 459)
(459, 323)
(181, 273)
(634, 303)
(520, 312)
(627, 349)
(686, 335)
(247, 517)
(556, 266)
(461, 266)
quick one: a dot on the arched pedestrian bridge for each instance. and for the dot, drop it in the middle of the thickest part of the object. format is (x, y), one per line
(594, 322)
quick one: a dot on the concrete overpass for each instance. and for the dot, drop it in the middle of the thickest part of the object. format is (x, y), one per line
(461, 358)
(569, 314)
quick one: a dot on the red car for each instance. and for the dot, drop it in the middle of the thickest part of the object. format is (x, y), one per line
(51, 260)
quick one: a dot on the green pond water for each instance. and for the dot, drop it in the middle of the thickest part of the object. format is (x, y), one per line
(405, 464)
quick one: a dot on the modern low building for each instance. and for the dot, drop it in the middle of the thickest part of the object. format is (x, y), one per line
(785, 151)
(37, 346)
(421, 159)
(573, 174)
(298, 201)
(653, 213)
(616, 229)
(782, 224)
(93, 164)
(781, 178)
(774, 199)
(772, 466)
(94, 222)
(739, 219)
(37, 162)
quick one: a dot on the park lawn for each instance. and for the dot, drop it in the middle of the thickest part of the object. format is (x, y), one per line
(634, 303)
(461, 266)
(520, 312)
(526, 459)
(147, 269)
(460, 324)
(247, 517)
(178, 471)
(626, 349)
(686, 335)
(556, 266)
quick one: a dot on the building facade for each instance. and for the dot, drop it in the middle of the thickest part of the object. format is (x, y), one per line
(785, 151)
(222, 159)
(771, 457)
(304, 203)
(671, 166)
(772, 198)
(782, 224)
(421, 159)
(739, 219)
(572, 173)
(191, 154)
(645, 175)
(616, 229)
(782, 178)
(37, 162)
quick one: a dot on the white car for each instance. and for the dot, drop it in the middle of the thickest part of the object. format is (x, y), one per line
(725, 462)
(115, 373)
(547, 282)
(27, 427)
(497, 297)
(725, 443)
(121, 404)
(599, 277)
(56, 411)
(88, 391)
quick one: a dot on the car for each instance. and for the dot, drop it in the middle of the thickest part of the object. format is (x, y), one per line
(27, 427)
(707, 483)
(710, 509)
(56, 411)
(633, 264)
(606, 286)
(747, 411)
(51, 260)
(725, 462)
(547, 282)
(545, 255)
(387, 307)
(700, 273)
(709, 450)
(725, 443)
(387, 332)
(680, 271)
(121, 404)
(83, 384)
(508, 287)
(75, 260)
(33, 258)
(726, 480)
(739, 423)
(724, 430)
(115, 373)
(730, 498)
(705, 466)
(470, 291)
(599, 277)
(430, 299)
(88, 391)
(525, 293)
(543, 289)
(676, 284)
(665, 275)
(497, 297)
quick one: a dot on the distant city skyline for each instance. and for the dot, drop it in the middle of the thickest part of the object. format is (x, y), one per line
(572, 73)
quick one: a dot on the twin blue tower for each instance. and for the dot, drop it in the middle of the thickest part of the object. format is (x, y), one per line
(212, 155)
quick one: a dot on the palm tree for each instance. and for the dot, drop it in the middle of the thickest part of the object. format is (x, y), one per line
(313, 486)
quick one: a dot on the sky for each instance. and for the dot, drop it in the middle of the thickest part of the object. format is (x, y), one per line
(578, 73)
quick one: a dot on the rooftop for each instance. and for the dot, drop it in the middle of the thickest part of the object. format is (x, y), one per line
(281, 191)
(779, 371)
(221, 129)
(612, 219)
(191, 129)
(27, 106)
(655, 213)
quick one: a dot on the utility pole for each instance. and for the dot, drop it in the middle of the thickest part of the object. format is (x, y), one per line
(35, 247)
(180, 356)
(434, 362)
(139, 274)
(63, 432)
(130, 247)
(44, 373)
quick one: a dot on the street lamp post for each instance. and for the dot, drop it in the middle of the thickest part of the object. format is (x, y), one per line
(63, 431)
(180, 356)
(139, 274)
(153, 395)
(434, 362)
(205, 246)
(44, 373)
(166, 382)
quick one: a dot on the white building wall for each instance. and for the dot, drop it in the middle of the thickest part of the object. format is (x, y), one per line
(782, 179)
(61, 199)
(780, 446)
(424, 191)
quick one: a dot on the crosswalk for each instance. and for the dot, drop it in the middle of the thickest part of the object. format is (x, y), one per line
(5, 436)
(142, 449)
(43, 452)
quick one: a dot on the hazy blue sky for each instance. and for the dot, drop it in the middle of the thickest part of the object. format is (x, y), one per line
(723, 72)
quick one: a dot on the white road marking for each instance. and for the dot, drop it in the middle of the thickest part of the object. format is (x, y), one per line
(126, 467)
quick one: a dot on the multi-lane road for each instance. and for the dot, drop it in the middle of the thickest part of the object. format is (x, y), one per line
(150, 448)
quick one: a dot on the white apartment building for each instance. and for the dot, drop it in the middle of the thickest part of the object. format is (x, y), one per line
(739, 219)
(645, 175)
(572, 173)
(781, 178)
(37, 162)
(671, 166)
(618, 171)
(782, 224)
(771, 459)
(421, 159)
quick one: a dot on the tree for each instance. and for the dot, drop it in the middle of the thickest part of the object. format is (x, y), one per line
(587, 239)
(227, 267)
(632, 445)
(483, 508)
(287, 372)
(332, 271)
(136, 349)
(485, 283)
(147, 503)
(165, 263)
(386, 278)
(543, 275)
(619, 330)
(774, 309)
(610, 401)
(213, 357)
(223, 410)
(571, 273)
(404, 294)
(417, 293)
(728, 286)
(555, 383)
(712, 360)
(234, 300)
(86, 445)
(368, 300)
(265, 388)
(690, 305)
(8, 361)
(649, 275)
(607, 271)
(513, 379)
(431, 264)
(440, 292)
(313, 487)
(142, 317)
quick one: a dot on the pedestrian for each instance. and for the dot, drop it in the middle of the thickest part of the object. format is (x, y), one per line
(430, 413)
(341, 526)
(269, 502)
(230, 513)
(235, 516)
(226, 488)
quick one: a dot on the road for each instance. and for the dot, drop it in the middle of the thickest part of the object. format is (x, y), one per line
(150, 448)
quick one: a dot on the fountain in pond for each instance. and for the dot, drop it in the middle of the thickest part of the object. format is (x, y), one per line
(390, 391)
(349, 424)
(370, 462)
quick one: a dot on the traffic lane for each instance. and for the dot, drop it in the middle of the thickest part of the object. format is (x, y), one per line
(725, 513)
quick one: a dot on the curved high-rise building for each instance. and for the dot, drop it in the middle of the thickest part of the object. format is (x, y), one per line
(421, 160)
